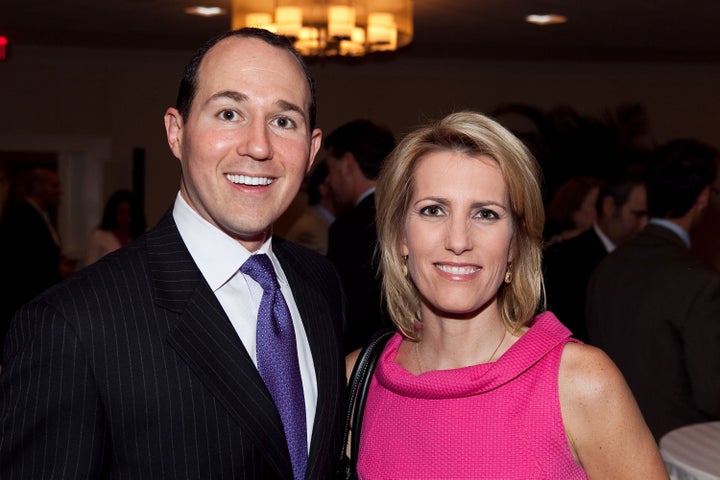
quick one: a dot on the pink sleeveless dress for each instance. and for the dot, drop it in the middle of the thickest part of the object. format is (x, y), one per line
(495, 421)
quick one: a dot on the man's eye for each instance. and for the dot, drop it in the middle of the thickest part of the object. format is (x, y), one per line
(228, 115)
(432, 211)
(284, 122)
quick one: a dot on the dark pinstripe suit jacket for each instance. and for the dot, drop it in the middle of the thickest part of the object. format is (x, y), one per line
(131, 369)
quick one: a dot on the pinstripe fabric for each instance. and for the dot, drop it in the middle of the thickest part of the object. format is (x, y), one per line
(131, 370)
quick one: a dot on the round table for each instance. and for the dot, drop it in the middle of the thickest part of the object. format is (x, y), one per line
(693, 452)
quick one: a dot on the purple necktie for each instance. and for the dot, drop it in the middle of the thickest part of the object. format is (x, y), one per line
(277, 359)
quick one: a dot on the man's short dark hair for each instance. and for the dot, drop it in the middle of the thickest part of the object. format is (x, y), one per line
(679, 171)
(369, 143)
(618, 185)
(188, 84)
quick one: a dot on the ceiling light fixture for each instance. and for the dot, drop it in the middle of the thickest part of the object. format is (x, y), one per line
(546, 19)
(205, 11)
(330, 28)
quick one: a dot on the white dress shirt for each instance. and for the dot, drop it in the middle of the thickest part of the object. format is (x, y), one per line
(219, 258)
(607, 243)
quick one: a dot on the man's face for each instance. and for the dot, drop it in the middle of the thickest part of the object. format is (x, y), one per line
(632, 216)
(52, 190)
(339, 179)
(246, 144)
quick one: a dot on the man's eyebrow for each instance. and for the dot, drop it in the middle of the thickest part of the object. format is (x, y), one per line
(229, 94)
(288, 106)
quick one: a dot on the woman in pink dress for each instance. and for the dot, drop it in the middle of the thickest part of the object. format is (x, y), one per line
(476, 384)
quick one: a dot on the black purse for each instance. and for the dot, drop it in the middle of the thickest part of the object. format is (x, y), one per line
(357, 395)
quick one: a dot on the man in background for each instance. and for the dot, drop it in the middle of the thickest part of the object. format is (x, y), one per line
(355, 152)
(621, 213)
(205, 348)
(312, 227)
(654, 307)
(30, 248)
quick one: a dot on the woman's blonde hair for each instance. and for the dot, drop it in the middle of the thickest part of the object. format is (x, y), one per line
(472, 134)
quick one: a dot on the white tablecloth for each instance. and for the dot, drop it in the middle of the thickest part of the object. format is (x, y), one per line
(693, 452)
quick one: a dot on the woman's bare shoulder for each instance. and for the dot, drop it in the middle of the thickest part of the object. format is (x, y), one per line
(603, 423)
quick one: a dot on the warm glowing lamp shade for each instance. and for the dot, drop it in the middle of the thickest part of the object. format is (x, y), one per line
(329, 28)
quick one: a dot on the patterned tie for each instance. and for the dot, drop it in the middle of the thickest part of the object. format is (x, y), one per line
(277, 359)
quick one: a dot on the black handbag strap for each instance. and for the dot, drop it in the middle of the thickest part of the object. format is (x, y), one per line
(359, 384)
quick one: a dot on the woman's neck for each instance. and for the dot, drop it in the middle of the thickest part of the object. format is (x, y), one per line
(449, 343)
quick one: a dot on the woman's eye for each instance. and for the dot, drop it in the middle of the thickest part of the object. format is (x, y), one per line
(487, 214)
(284, 122)
(229, 115)
(432, 211)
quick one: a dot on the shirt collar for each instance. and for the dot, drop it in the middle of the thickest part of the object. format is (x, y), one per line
(325, 213)
(217, 255)
(674, 227)
(609, 244)
(364, 195)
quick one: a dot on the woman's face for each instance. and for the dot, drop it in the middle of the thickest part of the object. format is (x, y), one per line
(458, 233)
(123, 215)
(586, 214)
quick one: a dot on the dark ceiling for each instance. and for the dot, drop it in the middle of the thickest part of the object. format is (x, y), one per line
(598, 30)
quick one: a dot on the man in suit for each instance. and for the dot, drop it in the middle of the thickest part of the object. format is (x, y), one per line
(143, 365)
(654, 307)
(355, 152)
(30, 252)
(621, 213)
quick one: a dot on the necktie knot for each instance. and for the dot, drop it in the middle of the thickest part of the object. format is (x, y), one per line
(260, 268)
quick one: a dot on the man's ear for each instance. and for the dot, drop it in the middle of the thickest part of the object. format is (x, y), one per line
(703, 198)
(608, 207)
(174, 130)
(315, 143)
(349, 163)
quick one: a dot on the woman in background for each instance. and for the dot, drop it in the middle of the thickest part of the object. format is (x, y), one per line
(572, 209)
(475, 384)
(123, 220)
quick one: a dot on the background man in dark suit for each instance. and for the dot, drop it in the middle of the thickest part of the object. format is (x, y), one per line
(621, 214)
(143, 364)
(654, 307)
(30, 250)
(355, 152)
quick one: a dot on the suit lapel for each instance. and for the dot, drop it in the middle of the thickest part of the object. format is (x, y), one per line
(206, 340)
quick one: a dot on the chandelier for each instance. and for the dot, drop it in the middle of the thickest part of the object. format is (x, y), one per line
(349, 28)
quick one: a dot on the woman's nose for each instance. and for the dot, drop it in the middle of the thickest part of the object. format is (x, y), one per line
(458, 238)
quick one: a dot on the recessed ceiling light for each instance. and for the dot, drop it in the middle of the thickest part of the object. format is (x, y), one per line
(546, 19)
(205, 11)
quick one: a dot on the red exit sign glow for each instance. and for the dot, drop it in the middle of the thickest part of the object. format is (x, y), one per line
(3, 48)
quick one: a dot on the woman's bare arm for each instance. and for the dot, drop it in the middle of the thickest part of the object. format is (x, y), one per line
(603, 423)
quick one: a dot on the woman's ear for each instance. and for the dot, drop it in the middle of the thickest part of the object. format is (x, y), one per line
(512, 251)
(402, 247)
